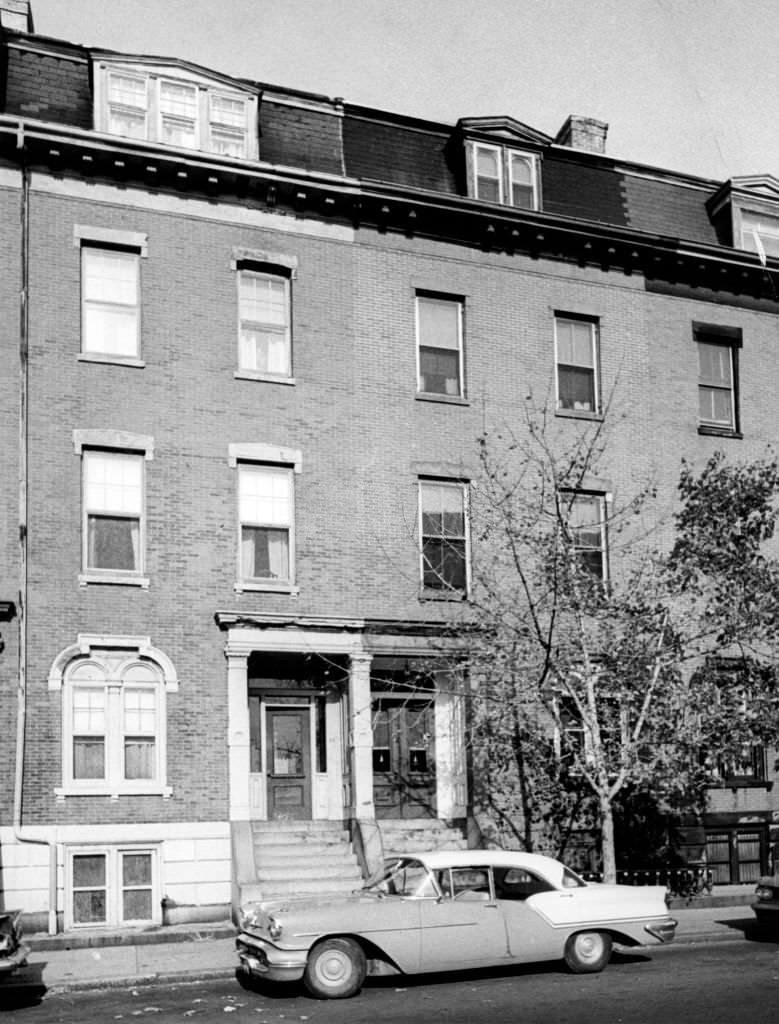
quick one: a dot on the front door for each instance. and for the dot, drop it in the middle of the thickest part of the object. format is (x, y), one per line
(404, 783)
(289, 763)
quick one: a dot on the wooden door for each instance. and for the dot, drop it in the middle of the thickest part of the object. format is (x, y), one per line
(288, 763)
(404, 781)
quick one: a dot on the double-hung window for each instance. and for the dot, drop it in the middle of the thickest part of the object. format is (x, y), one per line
(264, 334)
(110, 311)
(576, 359)
(127, 103)
(440, 345)
(443, 518)
(113, 512)
(178, 102)
(760, 234)
(717, 377)
(266, 515)
(501, 174)
(586, 517)
(113, 505)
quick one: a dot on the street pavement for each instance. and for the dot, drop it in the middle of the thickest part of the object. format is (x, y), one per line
(67, 963)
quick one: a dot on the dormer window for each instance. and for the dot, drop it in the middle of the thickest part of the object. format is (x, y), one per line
(175, 106)
(503, 160)
(504, 175)
(760, 233)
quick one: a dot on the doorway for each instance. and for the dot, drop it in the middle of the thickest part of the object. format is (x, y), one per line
(288, 748)
(404, 776)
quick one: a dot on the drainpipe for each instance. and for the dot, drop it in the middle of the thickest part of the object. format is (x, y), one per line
(21, 834)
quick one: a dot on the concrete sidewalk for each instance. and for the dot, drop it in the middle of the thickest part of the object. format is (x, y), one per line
(80, 963)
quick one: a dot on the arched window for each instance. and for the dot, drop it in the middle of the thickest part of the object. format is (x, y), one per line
(114, 693)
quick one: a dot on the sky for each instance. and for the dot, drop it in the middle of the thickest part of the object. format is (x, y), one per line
(687, 85)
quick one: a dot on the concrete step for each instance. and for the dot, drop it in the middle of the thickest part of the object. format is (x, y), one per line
(294, 872)
(297, 826)
(267, 853)
(412, 846)
(302, 887)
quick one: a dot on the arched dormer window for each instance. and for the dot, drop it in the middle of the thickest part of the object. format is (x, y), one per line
(114, 695)
(503, 161)
(176, 104)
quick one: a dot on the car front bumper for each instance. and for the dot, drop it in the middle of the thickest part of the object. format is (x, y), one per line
(262, 959)
(16, 959)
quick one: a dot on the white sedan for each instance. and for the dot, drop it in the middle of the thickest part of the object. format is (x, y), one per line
(444, 911)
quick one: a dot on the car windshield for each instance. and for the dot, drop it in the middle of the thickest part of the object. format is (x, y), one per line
(403, 877)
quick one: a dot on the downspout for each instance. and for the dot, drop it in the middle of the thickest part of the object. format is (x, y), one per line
(20, 834)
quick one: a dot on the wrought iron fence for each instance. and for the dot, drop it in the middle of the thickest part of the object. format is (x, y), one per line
(690, 881)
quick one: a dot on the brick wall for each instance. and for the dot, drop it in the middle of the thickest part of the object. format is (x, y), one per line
(352, 413)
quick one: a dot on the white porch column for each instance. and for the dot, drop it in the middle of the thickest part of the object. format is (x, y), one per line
(361, 736)
(238, 735)
(451, 775)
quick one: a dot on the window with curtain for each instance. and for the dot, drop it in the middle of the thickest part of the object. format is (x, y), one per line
(576, 358)
(265, 503)
(113, 511)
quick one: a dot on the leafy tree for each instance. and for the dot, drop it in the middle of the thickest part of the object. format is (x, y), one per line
(586, 677)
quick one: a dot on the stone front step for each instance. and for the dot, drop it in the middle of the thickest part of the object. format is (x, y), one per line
(267, 853)
(299, 887)
(294, 869)
(301, 858)
(420, 834)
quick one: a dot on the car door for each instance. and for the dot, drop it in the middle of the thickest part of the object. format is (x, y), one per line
(530, 937)
(464, 928)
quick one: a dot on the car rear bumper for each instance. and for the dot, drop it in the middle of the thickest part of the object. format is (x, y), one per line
(263, 960)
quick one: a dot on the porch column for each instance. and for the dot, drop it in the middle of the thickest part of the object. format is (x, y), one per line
(238, 735)
(361, 736)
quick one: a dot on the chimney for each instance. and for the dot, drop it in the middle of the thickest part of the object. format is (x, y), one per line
(16, 15)
(583, 133)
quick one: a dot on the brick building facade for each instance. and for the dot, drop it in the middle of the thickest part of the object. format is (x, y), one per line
(250, 336)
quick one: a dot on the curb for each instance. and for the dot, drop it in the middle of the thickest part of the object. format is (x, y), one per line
(143, 980)
(53, 943)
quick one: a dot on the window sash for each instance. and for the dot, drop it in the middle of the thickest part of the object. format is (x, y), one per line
(439, 345)
(113, 511)
(444, 536)
(264, 323)
(488, 173)
(716, 384)
(576, 358)
(89, 888)
(265, 514)
(760, 231)
(587, 523)
(110, 302)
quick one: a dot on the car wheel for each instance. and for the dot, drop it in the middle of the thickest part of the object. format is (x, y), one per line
(336, 969)
(587, 952)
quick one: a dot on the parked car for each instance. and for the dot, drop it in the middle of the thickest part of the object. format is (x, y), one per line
(13, 952)
(766, 906)
(447, 911)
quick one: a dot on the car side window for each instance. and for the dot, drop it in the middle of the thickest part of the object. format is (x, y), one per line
(518, 884)
(464, 883)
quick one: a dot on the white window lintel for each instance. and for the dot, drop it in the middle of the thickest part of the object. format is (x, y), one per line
(248, 452)
(84, 234)
(120, 439)
(283, 260)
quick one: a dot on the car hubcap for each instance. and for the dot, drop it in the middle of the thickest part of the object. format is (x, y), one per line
(333, 968)
(589, 947)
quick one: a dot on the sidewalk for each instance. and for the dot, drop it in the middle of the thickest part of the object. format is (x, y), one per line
(184, 953)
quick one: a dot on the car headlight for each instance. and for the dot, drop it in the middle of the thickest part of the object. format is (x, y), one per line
(248, 917)
(764, 892)
(274, 928)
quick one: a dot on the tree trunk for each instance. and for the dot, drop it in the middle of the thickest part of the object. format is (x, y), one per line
(608, 853)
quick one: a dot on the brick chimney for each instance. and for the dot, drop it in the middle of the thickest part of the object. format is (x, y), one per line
(583, 133)
(16, 15)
